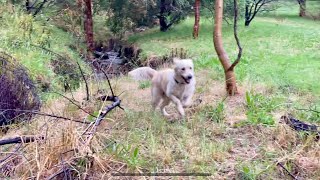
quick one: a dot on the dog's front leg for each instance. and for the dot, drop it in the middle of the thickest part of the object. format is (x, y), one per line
(187, 101)
(178, 103)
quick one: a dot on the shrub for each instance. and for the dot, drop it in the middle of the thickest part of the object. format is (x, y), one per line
(17, 92)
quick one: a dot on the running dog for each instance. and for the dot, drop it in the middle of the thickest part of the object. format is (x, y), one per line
(176, 85)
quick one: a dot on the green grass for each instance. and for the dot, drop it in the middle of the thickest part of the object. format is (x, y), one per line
(278, 50)
(162, 144)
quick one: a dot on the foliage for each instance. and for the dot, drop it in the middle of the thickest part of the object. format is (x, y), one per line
(127, 153)
(228, 9)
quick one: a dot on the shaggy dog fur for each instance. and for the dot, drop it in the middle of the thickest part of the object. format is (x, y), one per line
(176, 85)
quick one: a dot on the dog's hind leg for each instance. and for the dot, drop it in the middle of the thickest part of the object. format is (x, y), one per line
(165, 102)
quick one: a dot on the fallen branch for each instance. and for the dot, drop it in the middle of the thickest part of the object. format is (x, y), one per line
(299, 125)
(21, 139)
(94, 125)
(116, 103)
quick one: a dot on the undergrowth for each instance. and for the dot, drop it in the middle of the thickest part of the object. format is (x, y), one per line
(26, 38)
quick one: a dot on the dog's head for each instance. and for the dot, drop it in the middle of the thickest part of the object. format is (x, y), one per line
(184, 69)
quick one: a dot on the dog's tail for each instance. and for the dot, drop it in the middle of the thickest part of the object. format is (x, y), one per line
(142, 73)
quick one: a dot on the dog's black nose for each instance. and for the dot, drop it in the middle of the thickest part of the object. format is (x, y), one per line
(189, 77)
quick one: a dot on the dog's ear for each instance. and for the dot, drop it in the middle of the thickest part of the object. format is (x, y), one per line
(176, 60)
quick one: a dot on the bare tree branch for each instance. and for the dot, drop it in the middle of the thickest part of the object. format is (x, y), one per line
(235, 31)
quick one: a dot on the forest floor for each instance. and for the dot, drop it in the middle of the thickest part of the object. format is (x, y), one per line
(238, 137)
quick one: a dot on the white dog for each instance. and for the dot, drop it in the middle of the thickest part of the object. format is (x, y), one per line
(176, 85)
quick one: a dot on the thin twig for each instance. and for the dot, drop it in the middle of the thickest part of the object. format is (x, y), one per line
(311, 110)
(70, 100)
(292, 176)
(11, 153)
(45, 114)
(85, 81)
(105, 74)
(55, 174)
(116, 103)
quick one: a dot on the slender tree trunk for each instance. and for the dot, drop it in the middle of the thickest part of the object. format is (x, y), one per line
(88, 27)
(231, 85)
(162, 18)
(27, 5)
(196, 19)
(302, 4)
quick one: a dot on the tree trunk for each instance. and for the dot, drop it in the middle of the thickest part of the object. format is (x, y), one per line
(302, 4)
(88, 27)
(162, 18)
(196, 19)
(247, 15)
(231, 85)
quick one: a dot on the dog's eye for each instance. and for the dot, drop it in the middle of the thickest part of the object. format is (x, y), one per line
(183, 69)
(190, 67)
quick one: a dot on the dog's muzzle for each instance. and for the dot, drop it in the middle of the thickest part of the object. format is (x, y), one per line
(187, 79)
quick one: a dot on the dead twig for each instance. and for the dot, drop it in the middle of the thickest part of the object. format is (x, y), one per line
(85, 81)
(291, 175)
(45, 114)
(70, 100)
(105, 74)
(11, 153)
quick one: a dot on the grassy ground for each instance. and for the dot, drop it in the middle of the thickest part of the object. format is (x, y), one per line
(280, 51)
(23, 36)
(239, 137)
